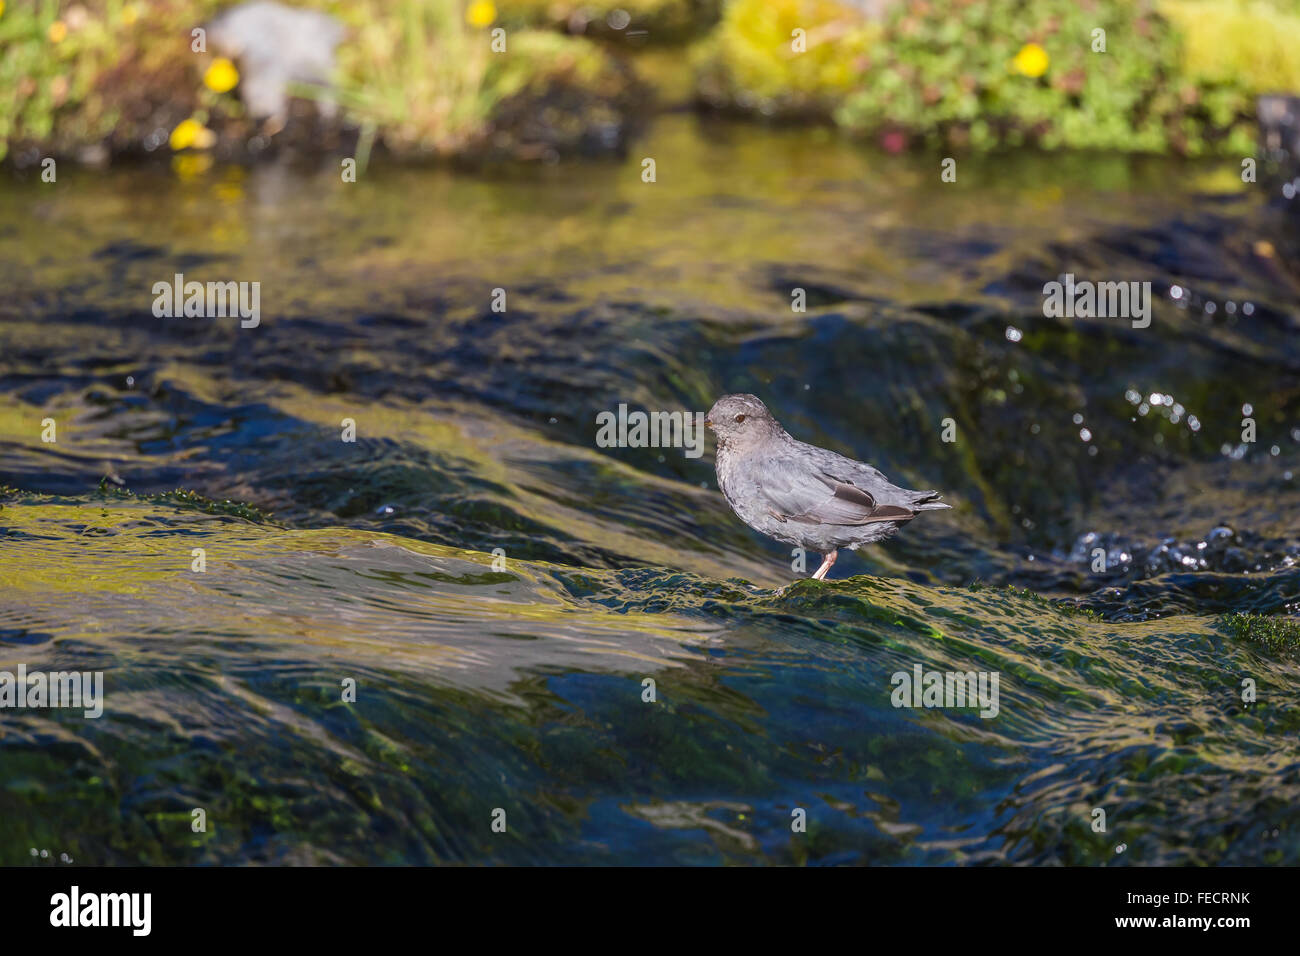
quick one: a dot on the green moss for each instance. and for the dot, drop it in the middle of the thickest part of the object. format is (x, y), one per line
(189, 500)
(1066, 607)
(1273, 632)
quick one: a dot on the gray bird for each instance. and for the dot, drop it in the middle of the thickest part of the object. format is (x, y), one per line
(801, 494)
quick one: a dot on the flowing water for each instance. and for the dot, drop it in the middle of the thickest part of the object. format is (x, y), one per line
(518, 681)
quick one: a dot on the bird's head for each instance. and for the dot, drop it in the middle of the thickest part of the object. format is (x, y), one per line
(739, 421)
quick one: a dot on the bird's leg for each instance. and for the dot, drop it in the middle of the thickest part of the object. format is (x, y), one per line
(827, 561)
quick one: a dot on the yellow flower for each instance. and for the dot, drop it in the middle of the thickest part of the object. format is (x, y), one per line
(1031, 60)
(221, 75)
(2, 8)
(191, 132)
(480, 13)
(58, 30)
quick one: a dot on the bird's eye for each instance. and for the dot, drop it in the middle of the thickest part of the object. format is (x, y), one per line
(740, 418)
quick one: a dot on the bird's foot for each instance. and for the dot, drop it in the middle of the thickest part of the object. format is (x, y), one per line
(827, 561)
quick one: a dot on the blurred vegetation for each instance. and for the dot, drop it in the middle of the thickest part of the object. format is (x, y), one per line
(1246, 44)
(661, 21)
(424, 72)
(421, 71)
(98, 78)
(55, 67)
(1175, 76)
(1006, 72)
(750, 62)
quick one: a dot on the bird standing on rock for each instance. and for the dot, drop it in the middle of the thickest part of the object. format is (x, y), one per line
(799, 493)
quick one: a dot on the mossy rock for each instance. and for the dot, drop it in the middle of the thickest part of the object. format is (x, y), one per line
(432, 83)
(1274, 633)
(559, 96)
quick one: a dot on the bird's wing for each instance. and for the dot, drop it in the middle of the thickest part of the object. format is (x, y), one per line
(795, 489)
(848, 470)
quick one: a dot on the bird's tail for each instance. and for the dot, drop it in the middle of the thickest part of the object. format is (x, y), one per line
(928, 501)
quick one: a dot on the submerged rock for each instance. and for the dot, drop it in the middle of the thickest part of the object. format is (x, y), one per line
(1221, 549)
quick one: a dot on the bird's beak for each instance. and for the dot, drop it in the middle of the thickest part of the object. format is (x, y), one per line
(707, 423)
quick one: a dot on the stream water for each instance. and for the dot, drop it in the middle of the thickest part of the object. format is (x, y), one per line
(518, 682)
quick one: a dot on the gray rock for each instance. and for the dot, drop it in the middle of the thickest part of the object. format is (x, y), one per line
(799, 493)
(275, 46)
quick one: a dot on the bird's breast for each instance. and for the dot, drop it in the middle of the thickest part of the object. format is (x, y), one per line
(736, 481)
(726, 466)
